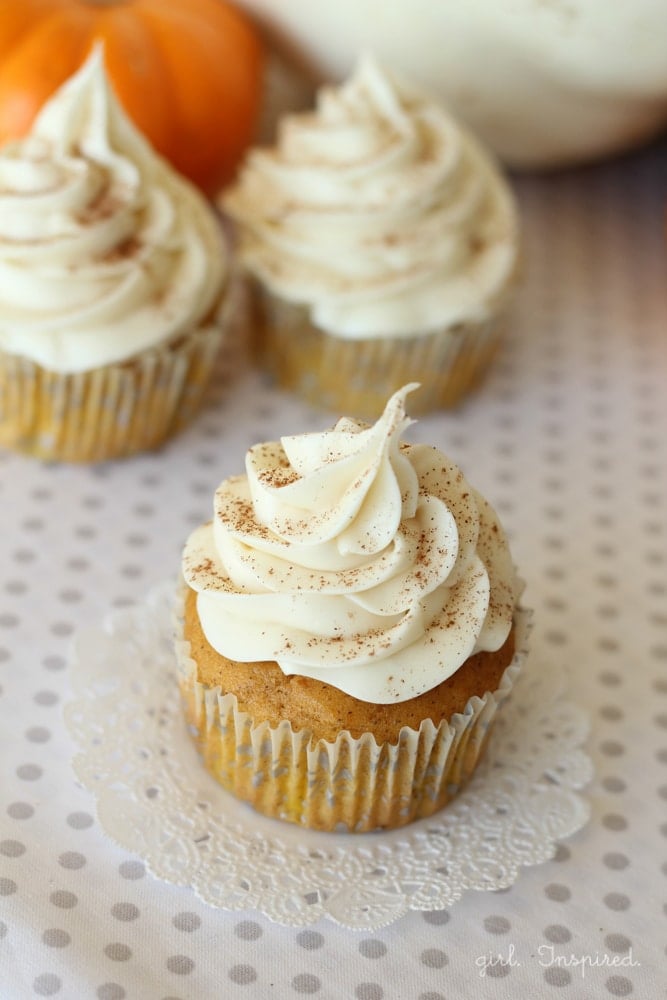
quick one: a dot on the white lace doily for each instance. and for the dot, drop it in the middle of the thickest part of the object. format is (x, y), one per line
(155, 799)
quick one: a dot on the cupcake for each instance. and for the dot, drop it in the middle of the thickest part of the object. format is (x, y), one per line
(349, 627)
(380, 241)
(113, 274)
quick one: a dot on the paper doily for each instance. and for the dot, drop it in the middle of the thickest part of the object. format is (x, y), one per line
(154, 798)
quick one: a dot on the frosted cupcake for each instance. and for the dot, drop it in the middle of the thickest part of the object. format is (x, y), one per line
(381, 240)
(350, 626)
(112, 279)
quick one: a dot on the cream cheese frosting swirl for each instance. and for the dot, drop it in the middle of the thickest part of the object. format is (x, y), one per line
(379, 213)
(105, 251)
(353, 558)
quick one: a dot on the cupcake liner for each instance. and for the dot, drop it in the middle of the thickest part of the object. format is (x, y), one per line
(358, 376)
(352, 784)
(108, 412)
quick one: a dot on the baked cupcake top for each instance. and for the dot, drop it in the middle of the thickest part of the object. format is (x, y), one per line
(105, 251)
(379, 212)
(353, 558)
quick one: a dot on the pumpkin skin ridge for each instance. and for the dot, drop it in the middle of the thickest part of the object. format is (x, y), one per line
(211, 40)
(154, 112)
(229, 103)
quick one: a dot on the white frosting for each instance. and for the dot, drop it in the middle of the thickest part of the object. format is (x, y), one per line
(378, 212)
(355, 559)
(104, 250)
(543, 82)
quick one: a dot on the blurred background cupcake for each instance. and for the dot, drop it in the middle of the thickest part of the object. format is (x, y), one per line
(381, 241)
(113, 279)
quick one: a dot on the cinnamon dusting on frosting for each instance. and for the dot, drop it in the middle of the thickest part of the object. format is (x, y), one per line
(364, 562)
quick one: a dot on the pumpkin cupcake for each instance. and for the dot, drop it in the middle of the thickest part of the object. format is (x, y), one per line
(113, 277)
(381, 243)
(349, 628)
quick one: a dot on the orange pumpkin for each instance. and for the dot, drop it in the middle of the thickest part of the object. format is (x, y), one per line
(188, 72)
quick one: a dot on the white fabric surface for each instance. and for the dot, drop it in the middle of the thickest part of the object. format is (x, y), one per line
(567, 439)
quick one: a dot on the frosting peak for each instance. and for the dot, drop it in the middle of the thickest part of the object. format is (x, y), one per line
(378, 212)
(353, 558)
(104, 250)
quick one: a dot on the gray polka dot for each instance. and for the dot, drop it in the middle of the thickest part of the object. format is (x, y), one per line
(431, 995)
(20, 810)
(110, 991)
(372, 948)
(125, 911)
(38, 734)
(70, 596)
(23, 555)
(3, 929)
(132, 869)
(306, 983)
(29, 772)
(369, 991)
(8, 621)
(613, 784)
(662, 792)
(46, 698)
(54, 937)
(613, 821)
(12, 848)
(556, 976)
(62, 628)
(611, 713)
(436, 917)
(310, 940)
(248, 930)
(612, 748)
(180, 965)
(63, 900)
(32, 524)
(7, 887)
(556, 637)
(136, 541)
(498, 970)
(619, 986)
(609, 678)
(557, 892)
(617, 942)
(79, 820)
(54, 662)
(242, 974)
(145, 509)
(616, 861)
(46, 985)
(78, 563)
(434, 958)
(187, 922)
(92, 502)
(562, 853)
(661, 720)
(131, 572)
(118, 952)
(557, 934)
(617, 901)
(72, 860)
(497, 925)
(15, 587)
(85, 531)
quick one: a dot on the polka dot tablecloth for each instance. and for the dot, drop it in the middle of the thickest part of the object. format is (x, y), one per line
(568, 438)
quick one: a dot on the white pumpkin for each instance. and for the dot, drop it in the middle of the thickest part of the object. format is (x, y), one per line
(545, 82)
